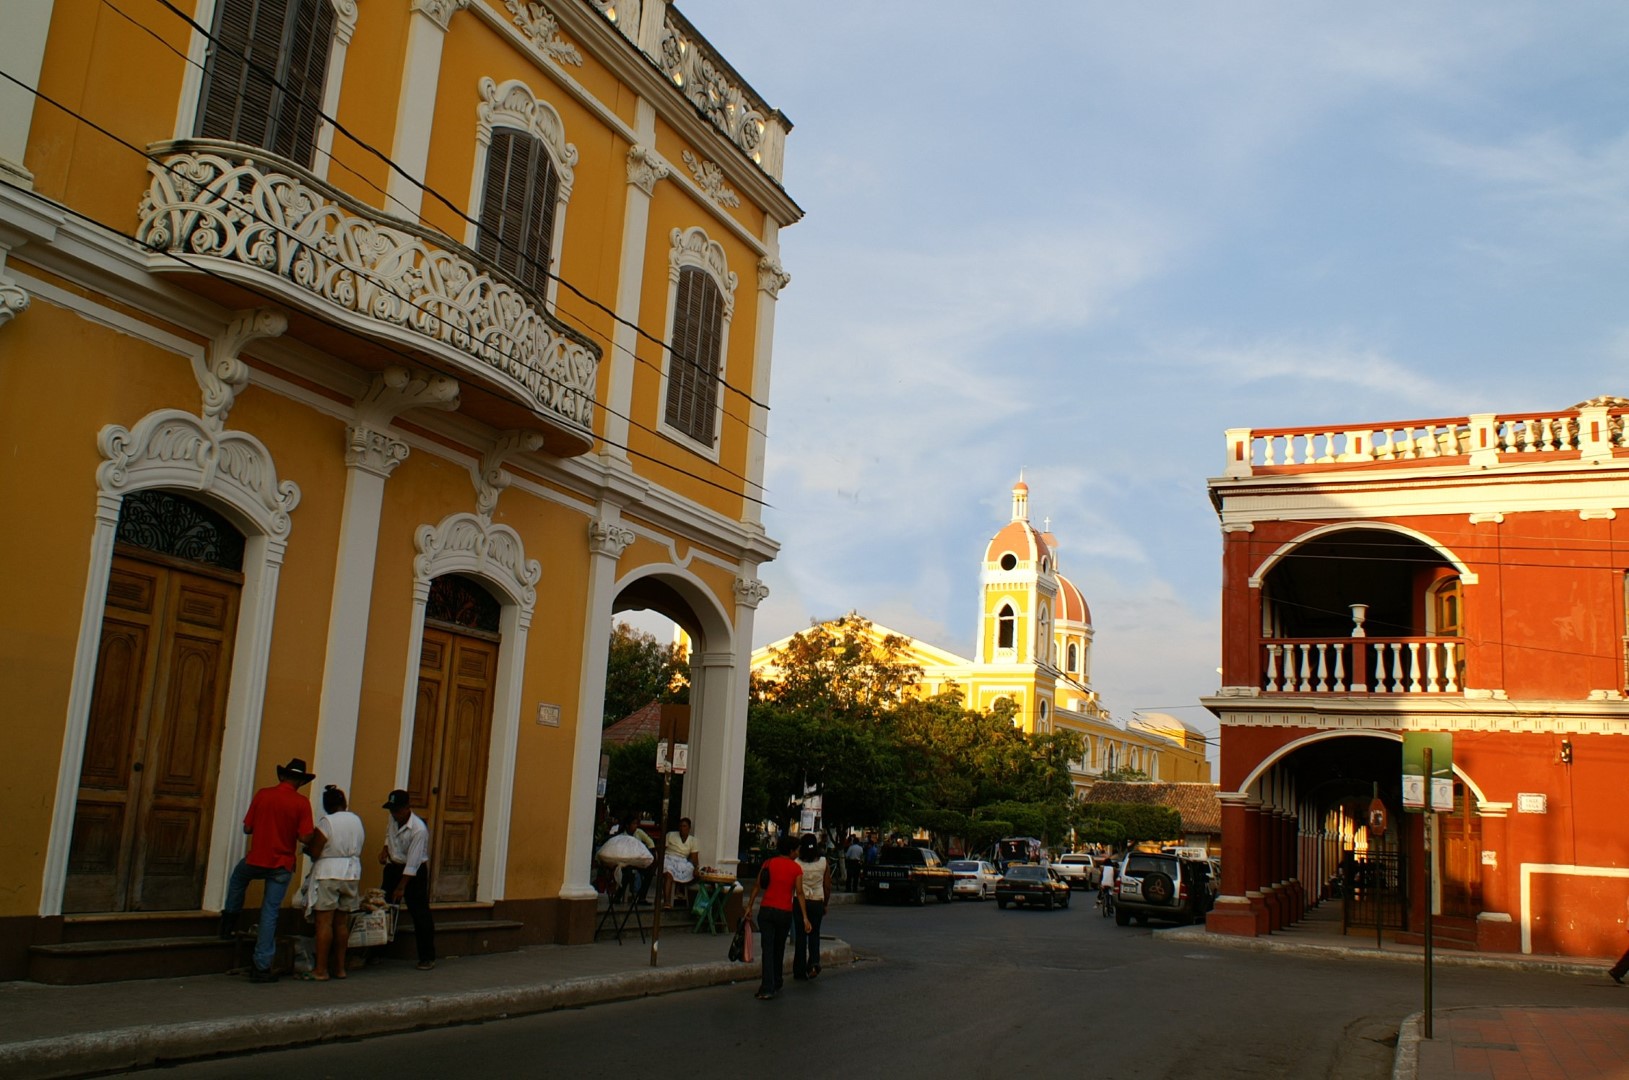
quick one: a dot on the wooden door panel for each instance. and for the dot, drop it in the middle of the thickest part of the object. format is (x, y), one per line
(434, 657)
(451, 741)
(121, 669)
(466, 748)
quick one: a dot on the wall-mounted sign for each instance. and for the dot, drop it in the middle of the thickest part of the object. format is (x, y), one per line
(548, 715)
(1529, 803)
(680, 761)
(1490, 858)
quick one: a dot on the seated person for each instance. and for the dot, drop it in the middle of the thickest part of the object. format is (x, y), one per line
(682, 858)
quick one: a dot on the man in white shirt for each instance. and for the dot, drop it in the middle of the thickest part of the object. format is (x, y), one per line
(853, 861)
(406, 859)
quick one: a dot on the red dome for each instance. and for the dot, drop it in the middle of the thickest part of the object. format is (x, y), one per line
(1070, 606)
(1022, 541)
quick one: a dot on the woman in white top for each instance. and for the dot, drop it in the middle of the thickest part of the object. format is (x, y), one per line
(816, 886)
(336, 852)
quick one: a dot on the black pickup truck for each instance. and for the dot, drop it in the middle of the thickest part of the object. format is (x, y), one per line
(908, 872)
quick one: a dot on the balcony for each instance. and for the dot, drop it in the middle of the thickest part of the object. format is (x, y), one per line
(1592, 431)
(243, 225)
(1363, 666)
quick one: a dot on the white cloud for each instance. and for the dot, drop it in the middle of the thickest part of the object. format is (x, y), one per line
(1563, 181)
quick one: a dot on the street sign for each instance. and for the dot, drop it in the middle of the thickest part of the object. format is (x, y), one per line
(1377, 818)
(1441, 745)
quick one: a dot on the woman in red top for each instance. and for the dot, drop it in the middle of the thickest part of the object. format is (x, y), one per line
(778, 881)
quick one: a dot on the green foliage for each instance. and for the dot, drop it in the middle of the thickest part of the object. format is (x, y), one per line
(1100, 831)
(1125, 774)
(1140, 822)
(632, 783)
(837, 710)
(640, 670)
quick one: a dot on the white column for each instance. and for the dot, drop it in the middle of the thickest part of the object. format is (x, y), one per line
(718, 736)
(371, 455)
(607, 539)
(415, 105)
(22, 53)
(645, 170)
(771, 280)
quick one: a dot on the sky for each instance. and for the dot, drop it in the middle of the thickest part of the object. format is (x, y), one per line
(1082, 239)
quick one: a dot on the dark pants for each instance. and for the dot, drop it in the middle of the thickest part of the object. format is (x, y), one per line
(775, 924)
(1621, 968)
(806, 944)
(417, 898)
(853, 868)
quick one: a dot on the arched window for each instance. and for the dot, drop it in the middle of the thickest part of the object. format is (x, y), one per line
(517, 208)
(1074, 658)
(1446, 615)
(264, 75)
(702, 299)
(1006, 627)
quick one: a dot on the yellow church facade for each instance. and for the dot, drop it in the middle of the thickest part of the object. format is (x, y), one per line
(1033, 652)
(359, 360)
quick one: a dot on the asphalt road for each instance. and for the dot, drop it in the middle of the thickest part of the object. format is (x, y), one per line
(966, 990)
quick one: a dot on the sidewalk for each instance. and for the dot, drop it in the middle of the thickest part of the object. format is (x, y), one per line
(61, 1031)
(1476, 1043)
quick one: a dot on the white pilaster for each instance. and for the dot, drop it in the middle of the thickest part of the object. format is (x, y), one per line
(771, 280)
(22, 53)
(371, 455)
(718, 732)
(645, 170)
(415, 105)
(607, 540)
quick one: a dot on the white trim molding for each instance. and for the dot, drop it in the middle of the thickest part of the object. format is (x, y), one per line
(494, 554)
(1527, 872)
(1466, 575)
(177, 451)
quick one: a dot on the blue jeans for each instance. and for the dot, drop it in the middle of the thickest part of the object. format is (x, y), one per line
(271, 901)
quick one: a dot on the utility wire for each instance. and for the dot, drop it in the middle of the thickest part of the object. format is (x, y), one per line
(682, 358)
(391, 164)
(414, 360)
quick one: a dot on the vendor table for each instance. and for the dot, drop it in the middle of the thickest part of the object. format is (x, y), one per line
(711, 895)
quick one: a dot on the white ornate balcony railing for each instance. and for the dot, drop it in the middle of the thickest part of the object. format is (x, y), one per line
(254, 217)
(1414, 665)
(1590, 432)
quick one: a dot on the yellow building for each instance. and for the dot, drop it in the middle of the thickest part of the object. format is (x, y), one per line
(340, 418)
(1034, 651)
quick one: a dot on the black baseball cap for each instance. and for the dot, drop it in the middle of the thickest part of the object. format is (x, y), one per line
(397, 800)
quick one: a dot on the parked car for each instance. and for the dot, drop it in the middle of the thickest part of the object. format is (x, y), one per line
(910, 873)
(974, 878)
(1150, 886)
(1075, 869)
(1032, 886)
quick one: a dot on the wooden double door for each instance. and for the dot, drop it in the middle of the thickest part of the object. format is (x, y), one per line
(153, 742)
(452, 728)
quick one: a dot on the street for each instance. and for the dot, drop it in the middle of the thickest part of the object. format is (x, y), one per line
(970, 991)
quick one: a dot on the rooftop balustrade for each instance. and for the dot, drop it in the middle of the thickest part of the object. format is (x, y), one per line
(1592, 432)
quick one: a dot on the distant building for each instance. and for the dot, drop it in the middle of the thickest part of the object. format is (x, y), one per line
(1196, 804)
(1463, 576)
(1034, 651)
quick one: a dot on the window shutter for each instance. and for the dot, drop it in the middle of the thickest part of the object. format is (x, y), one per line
(258, 44)
(517, 209)
(698, 334)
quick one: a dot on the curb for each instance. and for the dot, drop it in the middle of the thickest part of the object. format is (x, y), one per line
(1405, 1064)
(139, 1047)
(1198, 935)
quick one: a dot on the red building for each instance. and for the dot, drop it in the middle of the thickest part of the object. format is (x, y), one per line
(1464, 575)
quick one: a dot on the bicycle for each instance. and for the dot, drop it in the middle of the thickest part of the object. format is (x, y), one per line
(1105, 902)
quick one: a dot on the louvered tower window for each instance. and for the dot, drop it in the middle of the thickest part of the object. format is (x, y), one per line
(517, 209)
(692, 374)
(264, 74)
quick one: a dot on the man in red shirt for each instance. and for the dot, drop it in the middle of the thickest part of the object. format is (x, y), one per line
(278, 821)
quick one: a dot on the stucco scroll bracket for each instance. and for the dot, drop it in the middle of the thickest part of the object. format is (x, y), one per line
(608, 538)
(491, 478)
(221, 372)
(750, 592)
(369, 445)
(13, 300)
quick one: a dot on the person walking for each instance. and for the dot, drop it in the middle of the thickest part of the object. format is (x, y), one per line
(853, 861)
(406, 859)
(1621, 968)
(779, 882)
(336, 870)
(278, 822)
(815, 886)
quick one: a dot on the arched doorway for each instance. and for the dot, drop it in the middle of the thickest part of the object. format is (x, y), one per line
(147, 782)
(452, 729)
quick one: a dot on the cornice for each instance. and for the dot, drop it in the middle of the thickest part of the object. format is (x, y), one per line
(1439, 713)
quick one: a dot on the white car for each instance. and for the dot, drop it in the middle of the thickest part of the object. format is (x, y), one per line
(1074, 869)
(973, 877)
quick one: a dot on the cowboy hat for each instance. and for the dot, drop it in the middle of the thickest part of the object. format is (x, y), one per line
(295, 771)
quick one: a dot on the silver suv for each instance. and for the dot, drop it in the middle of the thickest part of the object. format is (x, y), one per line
(1167, 887)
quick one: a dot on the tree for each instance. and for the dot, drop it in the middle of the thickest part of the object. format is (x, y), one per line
(1140, 821)
(841, 669)
(1125, 774)
(640, 670)
(632, 784)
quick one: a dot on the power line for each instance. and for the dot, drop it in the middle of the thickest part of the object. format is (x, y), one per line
(414, 360)
(390, 163)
